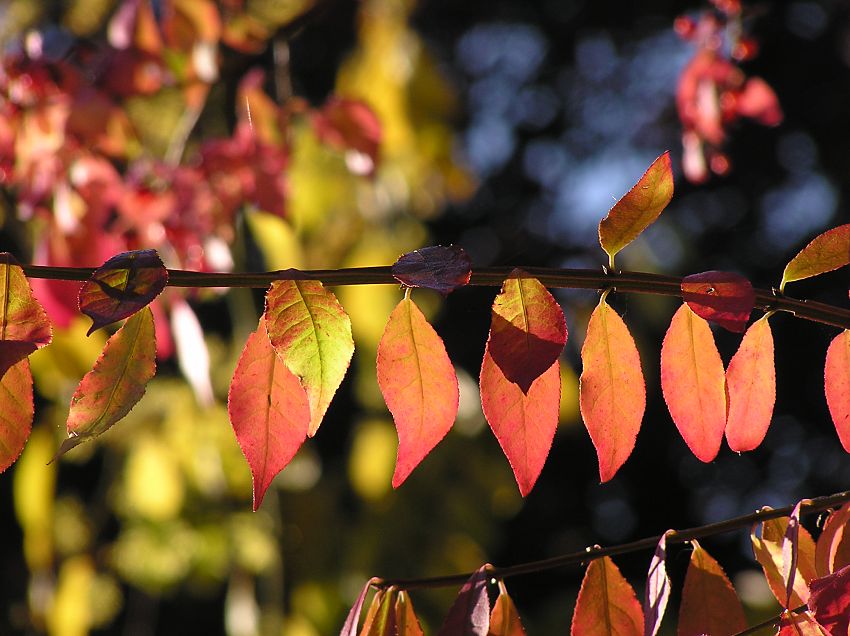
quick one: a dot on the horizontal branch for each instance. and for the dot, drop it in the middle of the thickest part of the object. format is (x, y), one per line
(818, 504)
(633, 282)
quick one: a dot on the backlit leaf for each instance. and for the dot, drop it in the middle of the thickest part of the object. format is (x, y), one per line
(349, 628)
(726, 298)
(837, 385)
(122, 286)
(418, 383)
(638, 208)
(440, 268)
(527, 329)
(16, 412)
(751, 388)
(311, 333)
(832, 551)
(767, 549)
(709, 603)
(524, 423)
(116, 383)
(469, 615)
(826, 252)
(606, 604)
(693, 383)
(657, 589)
(24, 326)
(790, 552)
(830, 601)
(504, 619)
(268, 410)
(801, 624)
(407, 624)
(612, 394)
(380, 619)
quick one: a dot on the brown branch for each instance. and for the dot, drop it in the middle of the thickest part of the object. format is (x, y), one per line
(818, 504)
(632, 282)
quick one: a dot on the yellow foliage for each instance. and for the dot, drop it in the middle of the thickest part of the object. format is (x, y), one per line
(70, 614)
(276, 239)
(372, 459)
(58, 369)
(153, 485)
(569, 413)
(34, 488)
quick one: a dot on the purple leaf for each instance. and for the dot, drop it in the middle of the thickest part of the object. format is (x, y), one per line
(440, 268)
(657, 589)
(470, 614)
(350, 626)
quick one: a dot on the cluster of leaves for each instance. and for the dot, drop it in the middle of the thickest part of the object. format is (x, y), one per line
(714, 92)
(808, 578)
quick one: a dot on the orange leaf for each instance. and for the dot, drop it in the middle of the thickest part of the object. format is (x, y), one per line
(418, 383)
(837, 385)
(751, 388)
(406, 622)
(111, 389)
(831, 551)
(606, 604)
(24, 326)
(16, 412)
(380, 619)
(504, 619)
(311, 333)
(826, 252)
(612, 394)
(524, 423)
(693, 383)
(709, 603)
(268, 410)
(726, 298)
(638, 208)
(767, 549)
(527, 331)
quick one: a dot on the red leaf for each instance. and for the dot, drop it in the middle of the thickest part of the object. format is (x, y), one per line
(16, 412)
(826, 252)
(709, 603)
(122, 286)
(504, 619)
(440, 268)
(657, 589)
(693, 383)
(758, 101)
(767, 549)
(350, 626)
(349, 124)
(470, 613)
(801, 624)
(722, 297)
(606, 604)
(524, 423)
(830, 601)
(638, 208)
(311, 333)
(418, 383)
(111, 389)
(751, 388)
(268, 409)
(527, 330)
(612, 394)
(831, 551)
(24, 326)
(837, 385)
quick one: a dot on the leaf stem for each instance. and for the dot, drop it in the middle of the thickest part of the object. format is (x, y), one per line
(768, 300)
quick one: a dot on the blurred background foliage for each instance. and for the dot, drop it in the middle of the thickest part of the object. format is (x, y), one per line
(265, 134)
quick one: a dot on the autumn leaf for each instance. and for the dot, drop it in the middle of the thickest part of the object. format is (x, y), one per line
(837, 385)
(406, 622)
(469, 615)
(111, 389)
(726, 298)
(709, 603)
(790, 552)
(311, 333)
(638, 208)
(349, 628)
(693, 383)
(524, 423)
(504, 619)
(527, 330)
(657, 589)
(268, 410)
(418, 383)
(830, 601)
(832, 551)
(612, 394)
(16, 411)
(122, 286)
(801, 624)
(24, 325)
(380, 619)
(751, 388)
(440, 268)
(606, 604)
(826, 252)
(767, 539)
